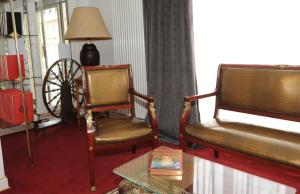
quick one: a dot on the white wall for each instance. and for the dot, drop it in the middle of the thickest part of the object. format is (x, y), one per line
(105, 47)
(244, 32)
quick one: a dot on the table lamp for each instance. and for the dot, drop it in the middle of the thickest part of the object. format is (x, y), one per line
(86, 23)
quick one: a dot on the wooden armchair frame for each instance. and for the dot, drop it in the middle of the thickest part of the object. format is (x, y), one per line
(91, 108)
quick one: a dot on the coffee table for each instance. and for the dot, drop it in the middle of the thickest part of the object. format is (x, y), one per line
(200, 176)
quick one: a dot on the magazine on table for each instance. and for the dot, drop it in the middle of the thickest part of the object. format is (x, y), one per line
(166, 161)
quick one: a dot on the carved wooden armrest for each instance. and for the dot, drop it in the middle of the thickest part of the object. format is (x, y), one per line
(197, 97)
(152, 114)
(186, 113)
(147, 98)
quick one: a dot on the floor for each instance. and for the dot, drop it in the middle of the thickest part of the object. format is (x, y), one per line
(61, 166)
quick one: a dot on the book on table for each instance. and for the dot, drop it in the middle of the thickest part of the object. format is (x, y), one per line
(166, 161)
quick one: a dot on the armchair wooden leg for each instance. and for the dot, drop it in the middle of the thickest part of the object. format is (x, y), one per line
(134, 149)
(155, 142)
(216, 153)
(91, 148)
(182, 142)
(91, 156)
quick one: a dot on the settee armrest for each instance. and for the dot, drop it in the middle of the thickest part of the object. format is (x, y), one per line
(186, 114)
(197, 97)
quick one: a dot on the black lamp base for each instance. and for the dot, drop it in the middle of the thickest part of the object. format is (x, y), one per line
(89, 55)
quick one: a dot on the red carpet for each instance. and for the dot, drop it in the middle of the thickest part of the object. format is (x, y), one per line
(61, 166)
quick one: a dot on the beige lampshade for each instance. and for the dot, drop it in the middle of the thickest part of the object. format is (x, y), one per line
(87, 23)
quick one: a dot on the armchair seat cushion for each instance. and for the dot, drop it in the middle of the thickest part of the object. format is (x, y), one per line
(114, 130)
(255, 140)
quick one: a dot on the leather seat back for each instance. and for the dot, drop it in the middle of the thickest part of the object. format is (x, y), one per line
(108, 86)
(260, 90)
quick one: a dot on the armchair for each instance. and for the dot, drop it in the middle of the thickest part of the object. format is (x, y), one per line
(109, 88)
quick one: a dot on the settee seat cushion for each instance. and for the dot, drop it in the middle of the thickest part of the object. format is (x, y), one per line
(114, 130)
(260, 141)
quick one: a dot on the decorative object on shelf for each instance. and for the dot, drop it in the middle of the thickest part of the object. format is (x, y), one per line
(9, 67)
(6, 23)
(59, 94)
(87, 24)
(11, 106)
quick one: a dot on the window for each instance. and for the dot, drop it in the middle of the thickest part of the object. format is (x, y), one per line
(52, 27)
(245, 32)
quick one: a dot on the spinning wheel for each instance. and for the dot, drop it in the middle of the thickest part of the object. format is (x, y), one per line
(59, 93)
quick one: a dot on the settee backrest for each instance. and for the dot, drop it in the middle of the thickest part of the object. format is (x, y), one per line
(272, 91)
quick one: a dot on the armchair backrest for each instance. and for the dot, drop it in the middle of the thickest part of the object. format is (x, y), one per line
(262, 90)
(107, 85)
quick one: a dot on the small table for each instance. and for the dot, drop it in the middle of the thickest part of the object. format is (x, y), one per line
(199, 176)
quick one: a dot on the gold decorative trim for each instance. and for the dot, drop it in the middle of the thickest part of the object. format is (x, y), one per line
(186, 108)
(89, 121)
(152, 110)
(283, 66)
(93, 188)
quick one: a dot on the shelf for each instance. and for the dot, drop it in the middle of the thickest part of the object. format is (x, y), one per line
(24, 99)
(16, 80)
(20, 36)
(5, 125)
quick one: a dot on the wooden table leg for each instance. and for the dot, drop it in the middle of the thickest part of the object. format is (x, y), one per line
(78, 104)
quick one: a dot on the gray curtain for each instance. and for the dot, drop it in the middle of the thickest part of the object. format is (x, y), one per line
(170, 61)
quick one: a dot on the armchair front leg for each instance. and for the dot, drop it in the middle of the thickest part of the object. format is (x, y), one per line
(153, 121)
(91, 147)
(183, 122)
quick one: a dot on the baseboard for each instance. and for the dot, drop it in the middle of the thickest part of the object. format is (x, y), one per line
(4, 183)
(14, 129)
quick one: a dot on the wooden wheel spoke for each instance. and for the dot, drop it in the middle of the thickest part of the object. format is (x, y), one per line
(53, 98)
(80, 93)
(72, 77)
(74, 92)
(73, 96)
(70, 70)
(54, 90)
(56, 105)
(56, 76)
(51, 82)
(65, 69)
(60, 71)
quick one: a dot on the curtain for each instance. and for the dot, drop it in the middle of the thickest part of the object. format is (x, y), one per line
(169, 59)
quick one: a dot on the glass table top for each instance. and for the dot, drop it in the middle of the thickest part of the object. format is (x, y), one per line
(199, 176)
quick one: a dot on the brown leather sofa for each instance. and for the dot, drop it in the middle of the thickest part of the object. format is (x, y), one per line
(271, 91)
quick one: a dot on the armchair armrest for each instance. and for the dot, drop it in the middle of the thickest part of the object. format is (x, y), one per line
(197, 97)
(152, 114)
(147, 98)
